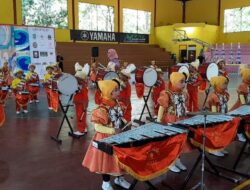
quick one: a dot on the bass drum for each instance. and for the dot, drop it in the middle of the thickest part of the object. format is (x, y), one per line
(67, 84)
(106, 75)
(180, 69)
(208, 71)
(147, 76)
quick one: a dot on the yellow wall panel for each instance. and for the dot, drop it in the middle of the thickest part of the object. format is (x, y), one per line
(165, 35)
(202, 11)
(168, 12)
(6, 12)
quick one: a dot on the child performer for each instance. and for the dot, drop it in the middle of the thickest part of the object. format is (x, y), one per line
(222, 68)
(125, 94)
(3, 94)
(32, 79)
(6, 73)
(160, 86)
(4, 88)
(48, 84)
(81, 103)
(243, 97)
(153, 64)
(22, 95)
(173, 103)
(114, 64)
(193, 83)
(217, 101)
(105, 124)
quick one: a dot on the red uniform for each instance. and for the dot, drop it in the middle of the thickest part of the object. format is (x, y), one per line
(33, 85)
(156, 93)
(125, 98)
(192, 88)
(81, 103)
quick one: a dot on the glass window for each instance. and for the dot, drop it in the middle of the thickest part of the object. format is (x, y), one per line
(96, 17)
(136, 21)
(237, 20)
(52, 13)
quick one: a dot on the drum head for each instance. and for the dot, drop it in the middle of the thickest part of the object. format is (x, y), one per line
(110, 75)
(67, 84)
(184, 69)
(149, 77)
(212, 71)
(86, 69)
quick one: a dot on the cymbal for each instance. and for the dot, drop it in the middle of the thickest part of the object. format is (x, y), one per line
(203, 113)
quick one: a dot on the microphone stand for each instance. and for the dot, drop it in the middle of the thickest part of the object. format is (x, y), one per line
(201, 184)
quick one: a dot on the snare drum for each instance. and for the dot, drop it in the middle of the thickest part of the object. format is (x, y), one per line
(34, 84)
(67, 84)
(148, 76)
(106, 75)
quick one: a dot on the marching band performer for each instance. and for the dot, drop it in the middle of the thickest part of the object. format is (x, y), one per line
(173, 105)
(32, 79)
(125, 94)
(3, 95)
(81, 103)
(194, 80)
(54, 95)
(160, 86)
(243, 97)
(106, 119)
(218, 101)
(47, 81)
(222, 68)
(114, 64)
(153, 64)
(7, 73)
(22, 95)
(4, 87)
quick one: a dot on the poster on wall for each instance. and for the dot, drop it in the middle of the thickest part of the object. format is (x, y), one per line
(42, 48)
(21, 46)
(7, 50)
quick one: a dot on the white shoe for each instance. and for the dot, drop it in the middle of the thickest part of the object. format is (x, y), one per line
(180, 165)
(50, 108)
(174, 169)
(17, 112)
(120, 181)
(25, 111)
(86, 130)
(78, 133)
(106, 185)
(31, 101)
(241, 137)
(225, 152)
(219, 154)
(37, 101)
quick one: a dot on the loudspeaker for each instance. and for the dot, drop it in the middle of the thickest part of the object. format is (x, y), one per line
(95, 52)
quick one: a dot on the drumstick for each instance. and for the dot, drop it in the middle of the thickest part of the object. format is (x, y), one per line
(82, 116)
(126, 125)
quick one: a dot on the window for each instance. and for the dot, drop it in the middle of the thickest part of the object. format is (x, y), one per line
(237, 20)
(52, 13)
(96, 17)
(135, 21)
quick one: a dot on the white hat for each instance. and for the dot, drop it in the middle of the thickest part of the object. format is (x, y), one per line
(219, 60)
(195, 64)
(125, 73)
(80, 74)
(159, 70)
(78, 67)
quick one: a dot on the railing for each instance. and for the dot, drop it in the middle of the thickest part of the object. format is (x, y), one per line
(181, 36)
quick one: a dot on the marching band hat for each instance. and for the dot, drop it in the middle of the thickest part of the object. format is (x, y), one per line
(32, 65)
(49, 67)
(18, 71)
(219, 60)
(78, 67)
(195, 64)
(125, 73)
(81, 74)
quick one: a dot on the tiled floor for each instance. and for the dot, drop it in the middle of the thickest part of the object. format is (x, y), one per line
(30, 160)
